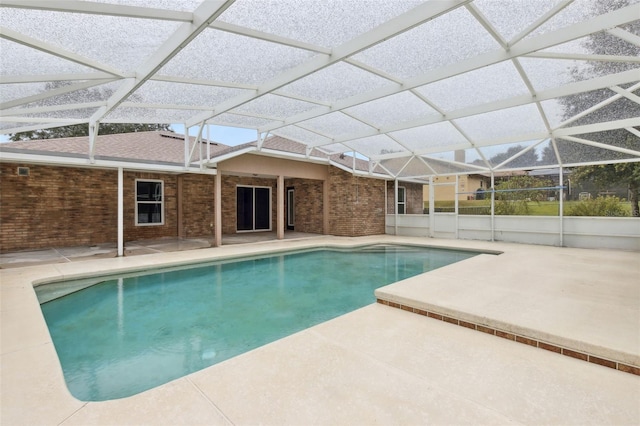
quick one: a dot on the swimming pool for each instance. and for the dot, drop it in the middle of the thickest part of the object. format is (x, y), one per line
(120, 336)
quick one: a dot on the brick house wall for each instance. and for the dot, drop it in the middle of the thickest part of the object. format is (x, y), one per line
(56, 207)
(67, 206)
(414, 197)
(309, 204)
(356, 204)
(198, 205)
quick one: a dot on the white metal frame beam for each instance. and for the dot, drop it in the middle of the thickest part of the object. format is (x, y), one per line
(206, 13)
(563, 35)
(391, 28)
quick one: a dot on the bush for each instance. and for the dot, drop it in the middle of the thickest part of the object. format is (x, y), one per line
(601, 206)
(511, 207)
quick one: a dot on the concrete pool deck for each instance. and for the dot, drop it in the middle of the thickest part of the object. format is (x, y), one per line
(379, 364)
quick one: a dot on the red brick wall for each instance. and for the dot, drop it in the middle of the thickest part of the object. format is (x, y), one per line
(64, 206)
(309, 204)
(414, 202)
(198, 206)
(356, 204)
(56, 207)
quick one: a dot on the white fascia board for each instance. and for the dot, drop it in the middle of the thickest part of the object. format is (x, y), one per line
(364, 173)
(53, 160)
(391, 28)
(206, 13)
(93, 8)
(233, 154)
(290, 156)
(49, 48)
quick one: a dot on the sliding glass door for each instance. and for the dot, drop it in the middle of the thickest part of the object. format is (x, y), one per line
(253, 208)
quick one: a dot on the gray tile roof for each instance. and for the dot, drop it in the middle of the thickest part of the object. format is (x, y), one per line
(163, 147)
(153, 147)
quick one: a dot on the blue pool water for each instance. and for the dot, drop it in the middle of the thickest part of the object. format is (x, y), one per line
(122, 336)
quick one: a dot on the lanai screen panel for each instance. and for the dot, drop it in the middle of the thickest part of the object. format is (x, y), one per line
(409, 84)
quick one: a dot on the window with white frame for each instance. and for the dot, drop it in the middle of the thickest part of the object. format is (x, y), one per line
(402, 199)
(149, 202)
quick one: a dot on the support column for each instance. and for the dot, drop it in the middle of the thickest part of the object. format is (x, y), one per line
(432, 207)
(561, 206)
(456, 206)
(493, 207)
(120, 212)
(326, 208)
(395, 206)
(179, 194)
(218, 208)
(280, 209)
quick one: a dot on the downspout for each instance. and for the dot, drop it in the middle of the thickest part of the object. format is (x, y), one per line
(93, 134)
(120, 212)
(493, 207)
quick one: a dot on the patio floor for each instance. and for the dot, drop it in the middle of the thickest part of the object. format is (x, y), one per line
(132, 248)
(379, 364)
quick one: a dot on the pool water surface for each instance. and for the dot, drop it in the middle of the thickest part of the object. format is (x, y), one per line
(125, 335)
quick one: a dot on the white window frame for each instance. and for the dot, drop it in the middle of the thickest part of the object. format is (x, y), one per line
(161, 202)
(402, 203)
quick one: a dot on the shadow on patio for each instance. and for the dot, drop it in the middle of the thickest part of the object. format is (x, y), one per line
(132, 248)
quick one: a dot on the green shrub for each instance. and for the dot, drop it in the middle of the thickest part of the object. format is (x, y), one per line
(511, 207)
(601, 206)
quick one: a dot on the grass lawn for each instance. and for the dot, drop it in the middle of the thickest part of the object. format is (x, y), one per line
(542, 208)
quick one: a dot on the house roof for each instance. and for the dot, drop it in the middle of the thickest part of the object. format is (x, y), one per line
(162, 147)
(152, 147)
(405, 83)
